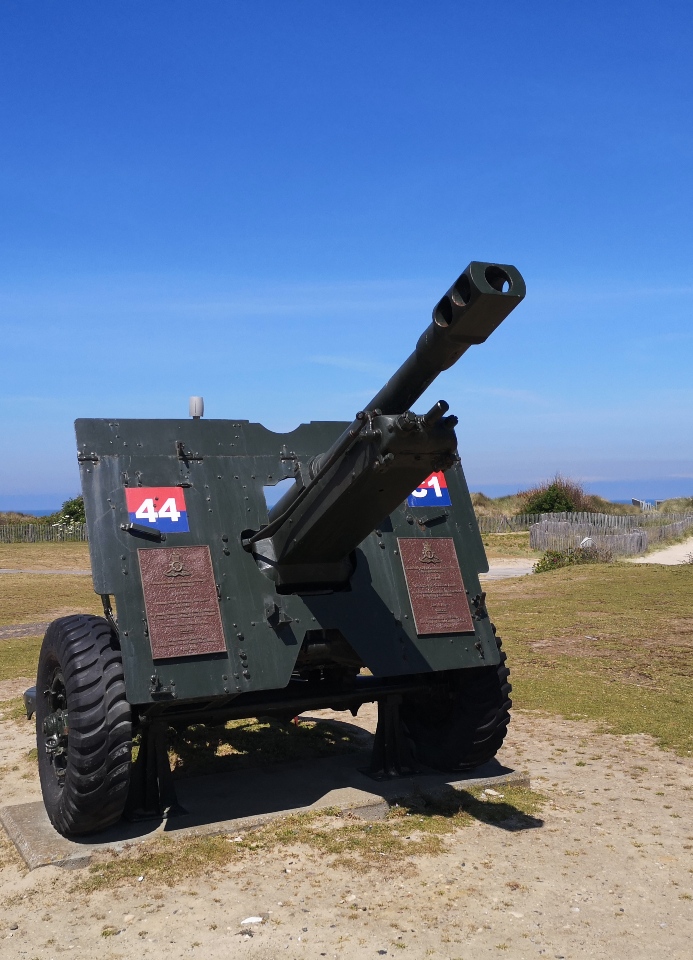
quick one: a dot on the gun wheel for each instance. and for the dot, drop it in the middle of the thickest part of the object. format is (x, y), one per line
(467, 728)
(83, 725)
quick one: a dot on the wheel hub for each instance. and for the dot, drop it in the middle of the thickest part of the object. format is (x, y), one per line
(56, 725)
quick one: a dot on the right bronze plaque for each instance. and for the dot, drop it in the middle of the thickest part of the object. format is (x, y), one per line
(435, 585)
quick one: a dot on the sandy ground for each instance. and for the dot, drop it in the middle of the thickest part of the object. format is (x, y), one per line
(607, 874)
(677, 553)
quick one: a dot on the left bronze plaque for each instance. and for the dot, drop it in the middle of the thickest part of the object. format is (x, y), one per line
(180, 597)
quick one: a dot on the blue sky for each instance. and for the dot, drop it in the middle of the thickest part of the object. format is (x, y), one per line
(261, 203)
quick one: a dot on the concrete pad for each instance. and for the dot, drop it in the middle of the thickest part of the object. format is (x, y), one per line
(238, 801)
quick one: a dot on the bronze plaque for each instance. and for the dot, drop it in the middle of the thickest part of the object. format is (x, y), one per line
(435, 585)
(180, 597)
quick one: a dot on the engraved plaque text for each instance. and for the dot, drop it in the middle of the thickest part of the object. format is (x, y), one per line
(435, 585)
(180, 597)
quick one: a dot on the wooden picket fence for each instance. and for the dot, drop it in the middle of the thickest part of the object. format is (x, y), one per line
(549, 534)
(625, 533)
(621, 523)
(42, 532)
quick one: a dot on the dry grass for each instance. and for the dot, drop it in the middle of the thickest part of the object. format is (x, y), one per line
(11, 516)
(32, 598)
(335, 839)
(513, 504)
(8, 853)
(13, 710)
(612, 643)
(45, 556)
(677, 505)
(19, 657)
(499, 545)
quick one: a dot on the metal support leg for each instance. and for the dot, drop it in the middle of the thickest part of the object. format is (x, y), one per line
(392, 756)
(152, 790)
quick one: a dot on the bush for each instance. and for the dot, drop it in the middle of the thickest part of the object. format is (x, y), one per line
(72, 511)
(559, 495)
(554, 559)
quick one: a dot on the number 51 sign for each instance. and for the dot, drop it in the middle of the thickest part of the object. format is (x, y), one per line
(432, 492)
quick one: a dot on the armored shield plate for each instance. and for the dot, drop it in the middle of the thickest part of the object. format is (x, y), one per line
(153, 488)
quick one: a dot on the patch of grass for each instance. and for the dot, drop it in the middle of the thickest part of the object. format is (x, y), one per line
(19, 657)
(8, 853)
(508, 545)
(513, 504)
(412, 830)
(571, 556)
(12, 516)
(612, 643)
(200, 749)
(28, 598)
(13, 710)
(677, 505)
(45, 556)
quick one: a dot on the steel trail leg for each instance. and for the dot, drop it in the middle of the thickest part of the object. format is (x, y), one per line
(392, 756)
(152, 790)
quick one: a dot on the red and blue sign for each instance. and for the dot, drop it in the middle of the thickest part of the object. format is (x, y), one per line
(161, 508)
(433, 492)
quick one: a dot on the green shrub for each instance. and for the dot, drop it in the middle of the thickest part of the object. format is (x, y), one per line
(553, 499)
(72, 511)
(554, 559)
(559, 495)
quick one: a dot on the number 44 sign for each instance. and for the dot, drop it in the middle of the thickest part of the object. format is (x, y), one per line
(432, 492)
(162, 508)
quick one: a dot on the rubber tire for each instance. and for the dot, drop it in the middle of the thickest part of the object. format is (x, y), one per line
(462, 726)
(92, 793)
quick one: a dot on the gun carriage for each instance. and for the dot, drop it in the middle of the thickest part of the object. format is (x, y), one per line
(360, 584)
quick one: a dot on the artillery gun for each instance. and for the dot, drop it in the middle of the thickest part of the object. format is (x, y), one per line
(360, 584)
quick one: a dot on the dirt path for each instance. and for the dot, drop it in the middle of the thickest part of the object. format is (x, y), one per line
(502, 568)
(608, 874)
(677, 553)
